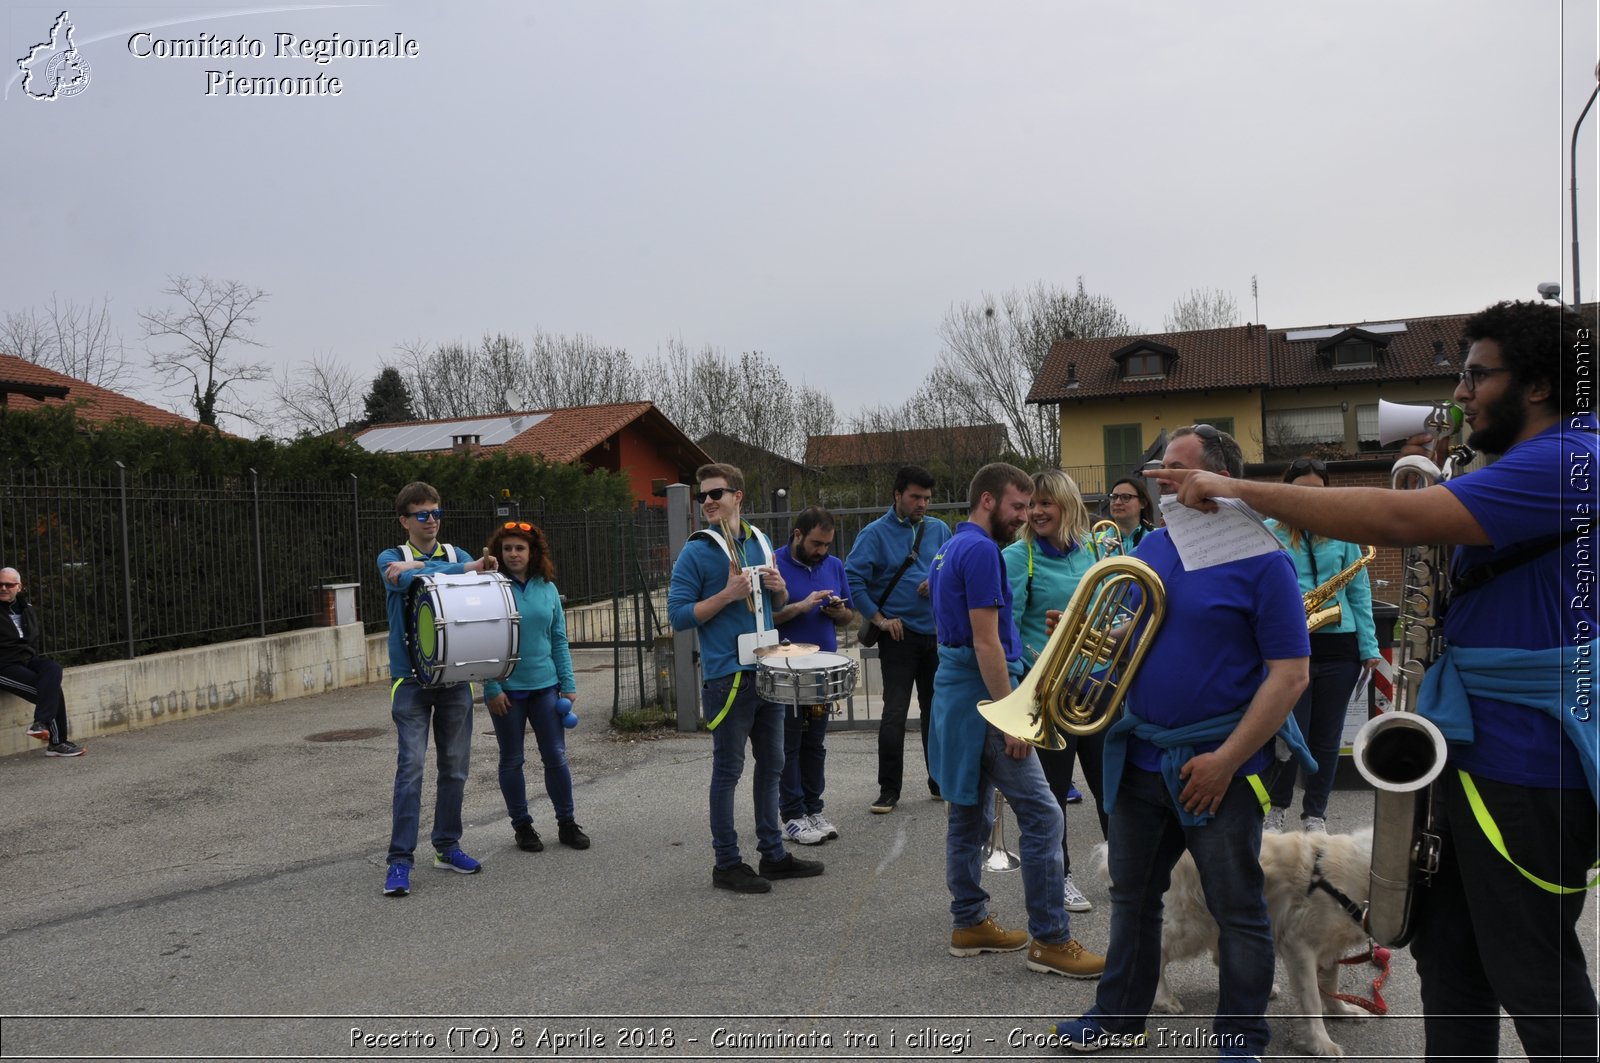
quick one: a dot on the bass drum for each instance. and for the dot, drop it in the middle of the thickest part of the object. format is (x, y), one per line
(812, 679)
(462, 629)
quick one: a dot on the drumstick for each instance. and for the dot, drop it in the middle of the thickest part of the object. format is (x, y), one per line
(728, 533)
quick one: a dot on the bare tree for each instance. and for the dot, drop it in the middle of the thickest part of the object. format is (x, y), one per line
(576, 371)
(993, 351)
(79, 341)
(1202, 308)
(318, 396)
(213, 318)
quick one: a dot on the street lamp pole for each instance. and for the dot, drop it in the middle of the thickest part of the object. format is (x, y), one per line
(1577, 291)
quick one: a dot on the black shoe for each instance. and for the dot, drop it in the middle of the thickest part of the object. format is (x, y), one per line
(791, 866)
(528, 838)
(885, 804)
(740, 879)
(571, 835)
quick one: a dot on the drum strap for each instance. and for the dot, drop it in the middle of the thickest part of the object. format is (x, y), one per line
(733, 692)
(727, 548)
(409, 551)
(395, 687)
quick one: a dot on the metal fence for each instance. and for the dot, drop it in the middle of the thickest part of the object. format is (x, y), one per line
(120, 566)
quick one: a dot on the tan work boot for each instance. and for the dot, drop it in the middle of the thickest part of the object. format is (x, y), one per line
(1065, 957)
(987, 936)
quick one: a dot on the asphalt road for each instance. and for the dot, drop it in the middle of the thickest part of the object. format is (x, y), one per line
(211, 889)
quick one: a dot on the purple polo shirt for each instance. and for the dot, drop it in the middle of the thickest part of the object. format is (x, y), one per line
(811, 626)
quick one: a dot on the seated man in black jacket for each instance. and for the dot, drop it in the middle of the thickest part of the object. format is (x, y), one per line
(27, 673)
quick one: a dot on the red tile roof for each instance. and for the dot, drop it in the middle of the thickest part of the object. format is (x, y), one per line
(94, 403)
(912, 445)
(1407, 355)
(567, 434)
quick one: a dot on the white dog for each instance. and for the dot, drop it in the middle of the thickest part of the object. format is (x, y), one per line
(1310, 930)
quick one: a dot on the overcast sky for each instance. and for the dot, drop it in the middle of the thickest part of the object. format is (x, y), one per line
(819, 181)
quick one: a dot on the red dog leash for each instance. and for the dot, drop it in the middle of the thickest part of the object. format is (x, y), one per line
(1379, 956)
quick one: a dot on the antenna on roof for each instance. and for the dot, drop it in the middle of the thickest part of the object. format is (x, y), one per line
(1255, 293)
(512, 400)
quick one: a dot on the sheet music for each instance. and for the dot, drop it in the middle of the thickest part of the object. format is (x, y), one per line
(1233, 532)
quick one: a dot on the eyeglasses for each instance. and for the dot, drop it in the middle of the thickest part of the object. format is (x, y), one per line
(1205, 431)
(8, 586)
(1473, 375)
(1122, 497)
(423, 516)
(1301, 466)
(715, 494)
(519, 525)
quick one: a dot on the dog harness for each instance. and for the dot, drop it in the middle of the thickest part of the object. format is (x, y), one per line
(1378, 955)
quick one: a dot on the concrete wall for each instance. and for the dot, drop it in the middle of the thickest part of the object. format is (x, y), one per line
(128, 695)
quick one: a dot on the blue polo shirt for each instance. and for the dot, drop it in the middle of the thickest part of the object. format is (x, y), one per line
(1222, 624)
(812, 626)
(969, 573)
(1541, 488)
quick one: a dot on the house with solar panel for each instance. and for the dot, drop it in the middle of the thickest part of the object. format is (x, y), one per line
(634, 438)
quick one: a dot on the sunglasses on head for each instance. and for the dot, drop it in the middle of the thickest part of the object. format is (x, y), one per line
(423, 516)
(715, 494)
(1301, 466)
(1205, 431)
(518, 525)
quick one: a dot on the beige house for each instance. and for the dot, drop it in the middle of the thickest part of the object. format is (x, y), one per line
(1280, 392)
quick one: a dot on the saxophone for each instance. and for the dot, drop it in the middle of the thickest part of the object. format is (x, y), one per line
(1399, 752)
(1318, 613)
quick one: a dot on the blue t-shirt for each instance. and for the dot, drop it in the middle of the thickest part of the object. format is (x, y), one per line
(1222, 624)
(970, 574)
(1541, 488)
(813, 626)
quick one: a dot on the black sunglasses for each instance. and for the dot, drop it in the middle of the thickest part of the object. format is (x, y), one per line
(1301, 466)
(1205, 431)
(715, 494)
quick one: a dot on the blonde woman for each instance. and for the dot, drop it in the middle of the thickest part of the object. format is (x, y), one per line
(1044, 567)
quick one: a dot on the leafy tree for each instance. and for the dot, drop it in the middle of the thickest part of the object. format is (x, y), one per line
(211, 320)
(389, 400)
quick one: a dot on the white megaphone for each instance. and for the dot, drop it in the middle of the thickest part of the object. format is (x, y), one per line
(1402, 420)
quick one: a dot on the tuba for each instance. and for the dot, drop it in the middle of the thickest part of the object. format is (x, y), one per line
(1078, 683)
(1319, 614)
(1400, 753)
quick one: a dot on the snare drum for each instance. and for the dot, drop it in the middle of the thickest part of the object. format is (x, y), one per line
(813, 679)
(461, 629)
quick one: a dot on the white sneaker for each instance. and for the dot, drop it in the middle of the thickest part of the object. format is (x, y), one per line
(801, 832)
(1072, 898)
(1274, 821)
(1313, 824)
(818, 822)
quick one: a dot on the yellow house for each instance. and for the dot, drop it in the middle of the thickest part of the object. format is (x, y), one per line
(1280, 392)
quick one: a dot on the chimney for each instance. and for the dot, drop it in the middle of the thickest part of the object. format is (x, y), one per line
(463, 444)
(1072, 374)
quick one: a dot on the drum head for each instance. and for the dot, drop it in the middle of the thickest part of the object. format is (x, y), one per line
(810, 662)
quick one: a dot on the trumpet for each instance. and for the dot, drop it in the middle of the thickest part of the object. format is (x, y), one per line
(1078, 684)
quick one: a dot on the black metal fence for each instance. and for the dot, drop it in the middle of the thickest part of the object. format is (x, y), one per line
(120, 566)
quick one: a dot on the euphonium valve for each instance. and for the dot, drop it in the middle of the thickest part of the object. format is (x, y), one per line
(1078, 683)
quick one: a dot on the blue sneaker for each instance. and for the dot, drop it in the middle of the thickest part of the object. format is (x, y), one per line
(456, 860)
(1074, 795)
(1087, 1035)
(398, 881)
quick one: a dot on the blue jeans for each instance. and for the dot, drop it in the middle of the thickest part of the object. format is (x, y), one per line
(1040, 822)
(449, 709)
(1146, 841)
(537, 707)
(804, 757)
(748, 718)
(1320, 712)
